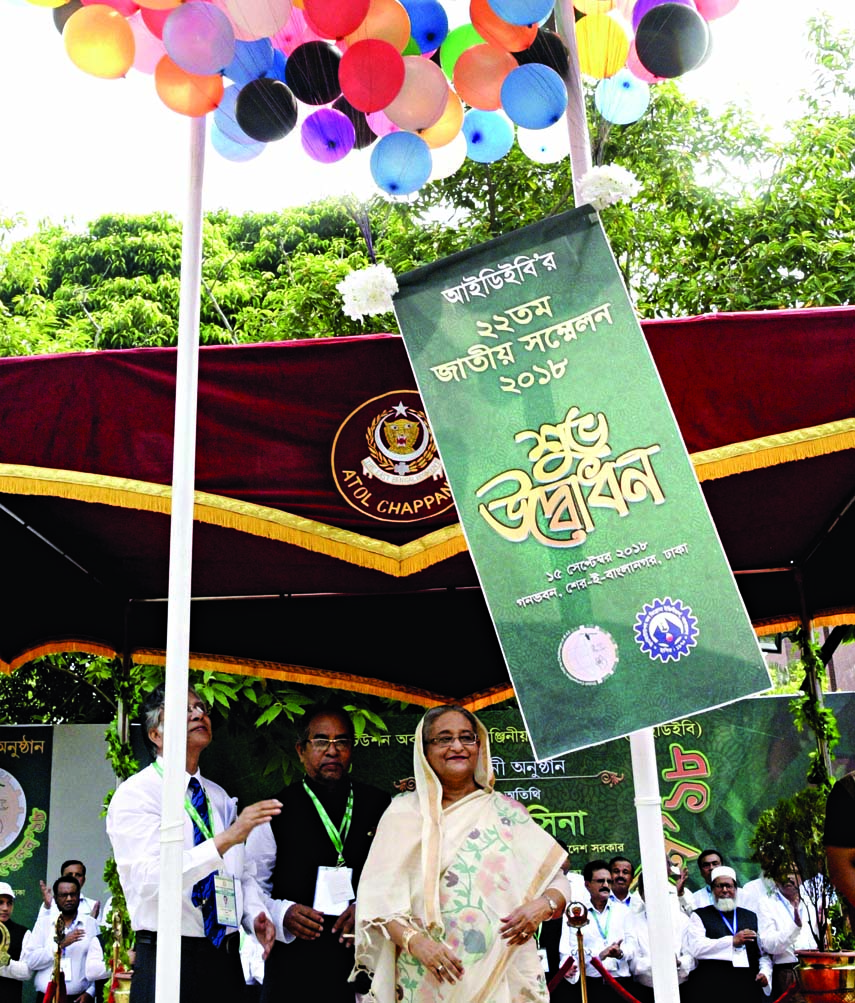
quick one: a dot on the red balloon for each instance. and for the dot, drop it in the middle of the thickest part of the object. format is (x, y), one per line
(334, 19)
(371, 74)
(496, 31)
(154, 20)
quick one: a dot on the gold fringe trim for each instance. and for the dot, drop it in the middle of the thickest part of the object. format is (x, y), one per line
(780, 625)
(770, 450)
(56, 648)
(298, 674)
(246, 517)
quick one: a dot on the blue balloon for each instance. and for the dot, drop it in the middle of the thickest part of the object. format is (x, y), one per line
(534, 96)
(428, 23)
(489, 135)
(252, 60)
(623, 98)
(277, 70)
(400, 163)
(225, 120)
(522, 11)
(231, 150)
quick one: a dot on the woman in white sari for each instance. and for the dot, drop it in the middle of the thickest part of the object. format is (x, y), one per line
(458, 880)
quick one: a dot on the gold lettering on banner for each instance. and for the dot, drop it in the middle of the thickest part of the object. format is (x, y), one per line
(572, 473)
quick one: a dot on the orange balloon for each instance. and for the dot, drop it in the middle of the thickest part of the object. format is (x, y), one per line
(479, 74)
(99, 41)
(187, 93)
(159, 4)
(448, 126)
(603, 45)
(496, 31)
(386, 19)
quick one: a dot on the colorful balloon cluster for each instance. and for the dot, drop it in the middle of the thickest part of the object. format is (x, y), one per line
(392, 73)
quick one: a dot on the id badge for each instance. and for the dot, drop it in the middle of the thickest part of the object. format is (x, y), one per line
(544, 961)
(740, 957)
(224, 897)
(334, 890)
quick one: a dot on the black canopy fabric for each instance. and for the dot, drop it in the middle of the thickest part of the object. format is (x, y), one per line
(294, 579)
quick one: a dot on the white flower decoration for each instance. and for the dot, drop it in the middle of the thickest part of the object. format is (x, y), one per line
(606, 185)
(368, 291)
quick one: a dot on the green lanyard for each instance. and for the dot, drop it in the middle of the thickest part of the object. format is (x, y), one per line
(338, 836)
(190, 808)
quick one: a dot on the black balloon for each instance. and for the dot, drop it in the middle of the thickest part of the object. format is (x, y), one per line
(266, 110)
(63, 13)
(365, 135)
(671, 39)
(312, 73)
(549, 49)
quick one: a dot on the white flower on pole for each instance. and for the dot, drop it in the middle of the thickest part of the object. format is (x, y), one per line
(368, 291)
(608, 184)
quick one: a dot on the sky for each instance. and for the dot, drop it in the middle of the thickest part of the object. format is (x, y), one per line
(75, 147)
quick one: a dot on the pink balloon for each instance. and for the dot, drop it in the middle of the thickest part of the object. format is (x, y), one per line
(124, 7)
(254, 20)
(711, 9)
(155, 19)
(380, 124)
(294, 32)
(423, 96)
(199, 38)
(148, 48)
(638, 69)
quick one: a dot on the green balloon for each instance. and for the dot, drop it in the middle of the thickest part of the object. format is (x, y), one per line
(455, 44)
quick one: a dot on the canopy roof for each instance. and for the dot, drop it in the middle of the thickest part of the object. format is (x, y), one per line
(292, 580)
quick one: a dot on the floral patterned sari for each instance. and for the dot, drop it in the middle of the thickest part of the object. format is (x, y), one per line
(454, 873)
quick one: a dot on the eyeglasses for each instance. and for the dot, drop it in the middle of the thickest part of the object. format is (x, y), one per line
(323, 744)
(197, 708)
(444, 741)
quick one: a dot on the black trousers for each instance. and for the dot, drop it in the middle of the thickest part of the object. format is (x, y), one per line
(309, 971)
(207, 972)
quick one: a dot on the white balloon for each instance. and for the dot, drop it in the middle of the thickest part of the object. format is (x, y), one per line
(448, 159)
(545, 146)
(254, 19)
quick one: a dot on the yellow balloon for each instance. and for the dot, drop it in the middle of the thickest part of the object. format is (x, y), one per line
(48, 3)
(442, 132)
(594, 6)
(603, 45)
(99, 41)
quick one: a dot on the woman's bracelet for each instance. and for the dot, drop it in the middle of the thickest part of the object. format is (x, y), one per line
(407, 936)
(553, 905)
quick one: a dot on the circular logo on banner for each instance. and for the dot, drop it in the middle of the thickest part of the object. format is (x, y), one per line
(665, 629)
(385, 463)
(588, 655)
(13, 809)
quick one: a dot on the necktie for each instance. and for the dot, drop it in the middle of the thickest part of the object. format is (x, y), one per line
(203, 890)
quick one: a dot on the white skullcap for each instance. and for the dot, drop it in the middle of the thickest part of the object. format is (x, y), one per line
(723, 872)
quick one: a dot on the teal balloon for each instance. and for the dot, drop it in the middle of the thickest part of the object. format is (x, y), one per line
(489, 135)
(534, 96)
(623, 98)
(400, 163)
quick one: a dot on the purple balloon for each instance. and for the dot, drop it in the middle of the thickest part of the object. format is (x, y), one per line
(199, 37)
(643, 6)
(327, 135)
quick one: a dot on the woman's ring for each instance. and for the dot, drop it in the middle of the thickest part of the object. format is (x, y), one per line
(440, 968)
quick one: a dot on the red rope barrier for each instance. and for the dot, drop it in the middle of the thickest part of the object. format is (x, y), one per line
(610, 979)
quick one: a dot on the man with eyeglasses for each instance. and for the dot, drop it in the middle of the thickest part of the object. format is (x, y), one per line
(219, 892)
(309, 860)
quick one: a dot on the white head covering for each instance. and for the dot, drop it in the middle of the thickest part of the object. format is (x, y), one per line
(723, 872)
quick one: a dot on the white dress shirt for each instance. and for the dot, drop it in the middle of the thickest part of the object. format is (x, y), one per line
(41, 951)
(779, 932)
(638, 938)
(133, 825)
(261, 846)
(19, 969)
(603, 928)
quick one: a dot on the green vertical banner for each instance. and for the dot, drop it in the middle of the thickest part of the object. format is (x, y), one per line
(25, 770)
(606, 582)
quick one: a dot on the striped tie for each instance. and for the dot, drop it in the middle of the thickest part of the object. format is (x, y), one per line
(203, 890)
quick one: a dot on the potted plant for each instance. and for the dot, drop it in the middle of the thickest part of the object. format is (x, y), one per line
(788, 840)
